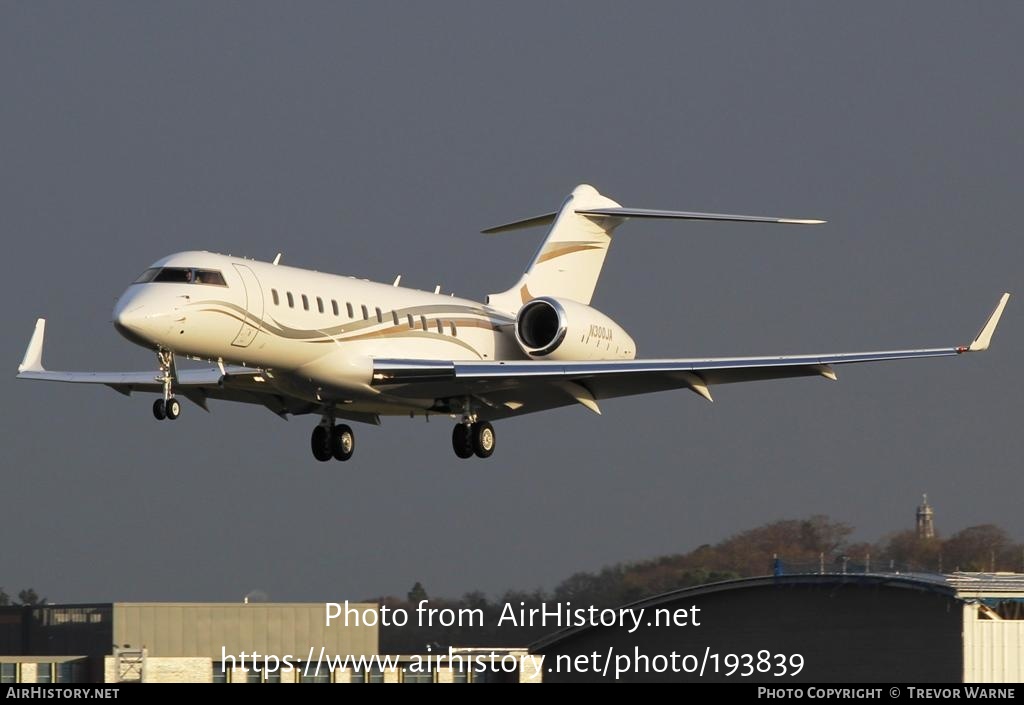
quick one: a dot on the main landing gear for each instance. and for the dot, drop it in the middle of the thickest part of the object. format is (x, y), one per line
(332, 441)
(476, 438)
(168, 407)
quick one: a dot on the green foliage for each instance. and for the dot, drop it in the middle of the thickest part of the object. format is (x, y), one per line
(29, 598)
(26, 598)
(417, 593)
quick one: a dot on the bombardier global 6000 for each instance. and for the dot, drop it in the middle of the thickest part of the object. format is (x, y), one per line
(303, 342)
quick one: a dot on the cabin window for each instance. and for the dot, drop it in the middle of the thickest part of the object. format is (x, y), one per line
(319, 304)
(380, 316)
(334, 307)
(440, 326)
(412, 322)
(273, 294)
(305, 302)
(348, 307)
(366, 313)
(423, 322)
(394, 317)
(291, 300)
(455, 332)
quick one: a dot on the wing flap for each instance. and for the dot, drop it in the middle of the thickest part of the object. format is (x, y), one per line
(140, 381)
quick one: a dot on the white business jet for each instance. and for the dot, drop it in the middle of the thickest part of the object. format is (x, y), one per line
(304, 342)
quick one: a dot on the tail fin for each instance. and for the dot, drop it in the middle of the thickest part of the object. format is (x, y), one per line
(569, 262)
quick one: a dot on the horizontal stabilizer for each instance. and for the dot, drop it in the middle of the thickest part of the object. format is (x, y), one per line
(691, 215)
(626, 213)
(536, 221)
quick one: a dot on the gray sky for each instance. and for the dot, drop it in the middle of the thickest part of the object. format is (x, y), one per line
(377, 139)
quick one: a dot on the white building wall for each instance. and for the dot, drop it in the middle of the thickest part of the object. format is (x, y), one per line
(993, 649)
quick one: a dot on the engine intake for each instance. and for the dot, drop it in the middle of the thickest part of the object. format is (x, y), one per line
(562, 329)
(541, 326)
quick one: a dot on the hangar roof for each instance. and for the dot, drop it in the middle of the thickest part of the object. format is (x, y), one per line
(961, 586)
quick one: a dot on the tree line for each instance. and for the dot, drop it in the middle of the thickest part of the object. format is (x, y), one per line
(786, 546)
(26, 598)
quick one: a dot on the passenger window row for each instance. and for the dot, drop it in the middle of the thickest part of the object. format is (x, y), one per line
(350, 310)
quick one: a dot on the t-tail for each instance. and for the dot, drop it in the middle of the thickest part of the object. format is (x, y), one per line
(569, 261)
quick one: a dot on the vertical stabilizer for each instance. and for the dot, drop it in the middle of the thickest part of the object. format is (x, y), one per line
(569, 261)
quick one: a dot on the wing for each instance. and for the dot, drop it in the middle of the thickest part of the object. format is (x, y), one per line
(232, 383)
(518, 387)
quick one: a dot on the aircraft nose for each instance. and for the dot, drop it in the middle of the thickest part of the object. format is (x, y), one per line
(130, 319)
(127, 317)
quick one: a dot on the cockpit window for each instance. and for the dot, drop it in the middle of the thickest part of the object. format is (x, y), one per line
(177, 275)
(147, 276)
(182, 275)
(209, 276)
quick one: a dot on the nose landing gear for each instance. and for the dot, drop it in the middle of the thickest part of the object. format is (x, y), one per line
(168, 407)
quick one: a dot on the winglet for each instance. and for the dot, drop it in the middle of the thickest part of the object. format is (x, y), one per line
(984, 337)
(33, 360)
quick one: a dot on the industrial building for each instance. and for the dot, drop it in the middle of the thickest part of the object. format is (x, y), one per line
(224, 643)
(916, 628)
(924, 628)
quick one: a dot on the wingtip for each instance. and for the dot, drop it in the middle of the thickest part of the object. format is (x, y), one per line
(984, 338)
(33, 360)
(802, 221)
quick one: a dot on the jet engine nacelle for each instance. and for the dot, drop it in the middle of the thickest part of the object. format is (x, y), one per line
(561, 329)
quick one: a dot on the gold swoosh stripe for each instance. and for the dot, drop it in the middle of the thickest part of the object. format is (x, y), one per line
(318, 337)
(555, 251)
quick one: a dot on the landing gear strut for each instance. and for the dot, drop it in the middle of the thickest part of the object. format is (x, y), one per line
(168, 407)
(331, 440)
(473, 438)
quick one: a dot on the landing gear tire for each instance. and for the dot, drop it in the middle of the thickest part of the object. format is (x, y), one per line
(462, 440)
(159, 410)
(343, 442)
(483, 439)
(172, 408)
(320, 443)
